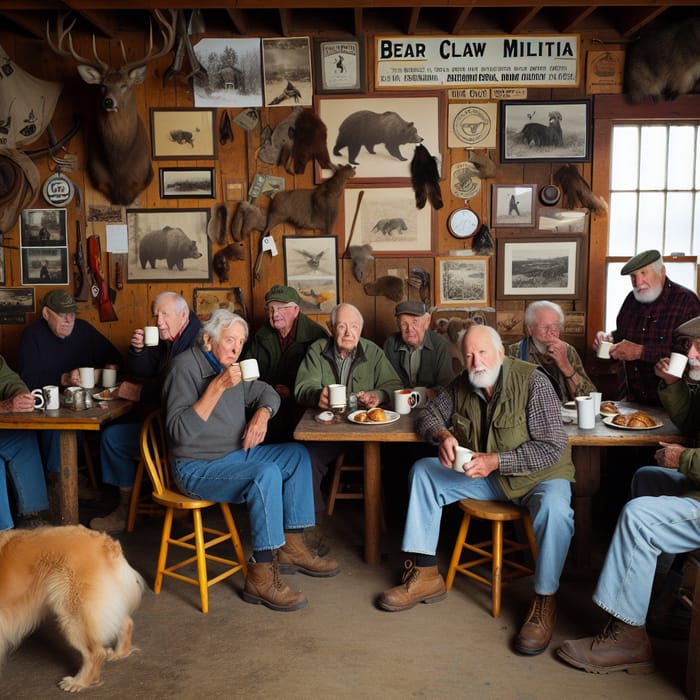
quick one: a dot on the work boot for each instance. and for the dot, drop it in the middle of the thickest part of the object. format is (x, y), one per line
(264, 586)
(116, 520)
(421, 584)
(619, 647)
(295, 556)
(536, 632)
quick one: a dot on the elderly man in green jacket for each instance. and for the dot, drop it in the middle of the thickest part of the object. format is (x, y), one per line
(663, 516)
(347, 359)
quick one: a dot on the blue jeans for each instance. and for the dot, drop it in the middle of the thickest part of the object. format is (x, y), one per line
(433, 486)
(651, 523)
(22, 466)
(119, 453)
(274, 481)
(50, 448)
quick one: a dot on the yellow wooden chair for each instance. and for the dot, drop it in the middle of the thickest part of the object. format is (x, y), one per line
(140, 503)
(154, 456)
(493, 550)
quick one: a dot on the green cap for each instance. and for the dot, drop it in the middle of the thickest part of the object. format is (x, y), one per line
(639, 261)
(412, 308)
(690, 329)
(60, 302)
(281, 293)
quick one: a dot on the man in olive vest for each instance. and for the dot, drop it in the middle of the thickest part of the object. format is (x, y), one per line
(505, 411)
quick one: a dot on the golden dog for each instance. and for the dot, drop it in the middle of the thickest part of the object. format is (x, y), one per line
(79, 575)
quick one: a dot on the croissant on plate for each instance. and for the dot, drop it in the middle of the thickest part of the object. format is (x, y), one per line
(608, 407)
(619, 419)
(360, 417)
(639, 419)
(376, 415)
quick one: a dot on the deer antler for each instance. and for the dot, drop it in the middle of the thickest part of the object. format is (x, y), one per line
(61, 33)
(167, 30)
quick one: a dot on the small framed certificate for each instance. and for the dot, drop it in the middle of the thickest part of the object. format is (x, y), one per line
(340, 65)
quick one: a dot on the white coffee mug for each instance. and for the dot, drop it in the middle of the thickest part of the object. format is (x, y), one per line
(584, 412)
(98, 377)
(677, 363)
(422, 395)
(51, 398)
(109, 377)
(604, 349)
(337, 395)
(87, 377)
(597, 397)
(151, 336)
(250, 370)
(462, 456)
(38, 398)
(402, 401)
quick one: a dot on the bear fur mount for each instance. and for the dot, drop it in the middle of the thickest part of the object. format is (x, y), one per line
(425, 178)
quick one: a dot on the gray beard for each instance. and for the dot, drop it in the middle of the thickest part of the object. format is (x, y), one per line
(485, 378)
(648, 296)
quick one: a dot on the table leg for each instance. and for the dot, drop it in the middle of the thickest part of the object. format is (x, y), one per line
(587, 462)
(68, 492)
(372, 501)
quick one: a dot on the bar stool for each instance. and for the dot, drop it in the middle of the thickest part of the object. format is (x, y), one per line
(493, 550)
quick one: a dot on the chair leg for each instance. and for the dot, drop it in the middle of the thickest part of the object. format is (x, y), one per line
(201, 559)
(335, 484)
(90, 464)
(235, 539)
(163, 553)
(497, 567)
(135, 495)
(457, 552)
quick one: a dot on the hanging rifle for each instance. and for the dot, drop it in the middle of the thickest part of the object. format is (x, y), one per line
(99, 291)
(81, 282)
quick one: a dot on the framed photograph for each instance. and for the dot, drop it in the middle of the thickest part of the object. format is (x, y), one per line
(378, 135)
(235, 190)
(43, 227)
(205, 300)
(44, 266)
(513, 206)
(187, 183)
(546, 131)
(339, 65)
(388, 220)
(168, 245)
(463, 280)
(287, 72)
(15, 303)
(2, 267)
(541, 267)
(561, 220)
(311, 267)
(179, 134)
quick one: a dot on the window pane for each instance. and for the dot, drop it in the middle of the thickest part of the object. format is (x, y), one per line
(696, 226)
(650, 231)
(679, 223)
(622, 230)
(697, 160)
(625, 146)
(680, 157)
(652, 173)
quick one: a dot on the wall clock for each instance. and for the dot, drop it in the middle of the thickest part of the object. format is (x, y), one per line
(463, 223)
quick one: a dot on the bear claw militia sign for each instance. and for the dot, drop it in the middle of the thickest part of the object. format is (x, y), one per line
(486, 61)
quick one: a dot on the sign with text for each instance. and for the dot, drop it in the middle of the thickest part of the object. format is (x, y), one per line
(478, 61)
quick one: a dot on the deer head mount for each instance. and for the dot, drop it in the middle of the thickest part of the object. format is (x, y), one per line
(119, 161)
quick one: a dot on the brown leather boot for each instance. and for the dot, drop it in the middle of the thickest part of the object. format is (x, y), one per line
(536, 632)
(296, 556)
(421, 584)
(263, 586)
(619, 647)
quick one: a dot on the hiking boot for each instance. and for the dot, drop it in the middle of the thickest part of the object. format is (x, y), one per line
(536, 632)
(619, 647)
(264, 586)
(316, 541)
(295, 556)
(421, 584)
(116, 520)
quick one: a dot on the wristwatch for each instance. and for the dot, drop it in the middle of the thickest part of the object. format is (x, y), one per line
(272, 413)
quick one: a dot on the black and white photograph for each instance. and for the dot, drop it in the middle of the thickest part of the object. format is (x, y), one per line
(379, 135)
(463, 281)
(339, 65)
(540, 267)
(513, 206)
(44, 266)
(287, 71)
(16, 300)
(546, 131)
(168, 244)
(43, 227)
(182, 134)
(206, 300)
(187, 183)
(234, 73)
(562, 220)
(387, 219)
(311, 267)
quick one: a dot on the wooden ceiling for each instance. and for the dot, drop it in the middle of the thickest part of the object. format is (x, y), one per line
(605, 21)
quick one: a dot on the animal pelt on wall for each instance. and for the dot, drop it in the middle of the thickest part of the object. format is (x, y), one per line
(664, 62)
(279, 137)
(361, 256)
(248, 217)
(220, 261)
(389, 286)
(309, 142)
(576, 192)
(425, 178)
(312, 209)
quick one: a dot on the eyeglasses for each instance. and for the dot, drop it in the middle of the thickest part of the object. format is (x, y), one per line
(549, 326)
(272, 309)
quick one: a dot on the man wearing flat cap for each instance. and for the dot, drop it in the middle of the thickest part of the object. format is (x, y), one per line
(279, 347)
(53, 348)
(420, 356)
(662, 516)
(645, 323)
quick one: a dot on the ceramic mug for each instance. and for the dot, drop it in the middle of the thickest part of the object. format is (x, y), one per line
(677, 363)
(51, 399)
(38, 399)
(109, 377)
(87, 377)
(151, 336)
(250, 370)
(604, 349)
(405, 400)
(462, 456)
(337, 395)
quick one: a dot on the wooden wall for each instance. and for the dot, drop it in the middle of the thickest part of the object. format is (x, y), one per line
(237, 159)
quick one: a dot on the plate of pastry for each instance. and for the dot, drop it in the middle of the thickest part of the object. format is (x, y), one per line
(375, 416)
(107, 394)
(639, 420)
(609, 408)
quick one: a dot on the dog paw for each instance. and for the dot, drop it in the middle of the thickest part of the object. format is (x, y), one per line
(71, 685)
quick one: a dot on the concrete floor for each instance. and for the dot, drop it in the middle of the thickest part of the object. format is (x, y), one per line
(340, 645)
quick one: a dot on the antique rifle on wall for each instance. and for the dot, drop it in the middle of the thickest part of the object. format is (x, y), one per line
(99, 291)
(81, 280)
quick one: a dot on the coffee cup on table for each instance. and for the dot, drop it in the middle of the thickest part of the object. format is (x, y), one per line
(462, 456)
(422, 395)
(38, 399)
(403, 402)
(604, 349)
(150, 336)
(109, 377)
(585, 413)
(87, 377)
(677, 363)
(597, 397)
(249, 370)
(51, 398)
(337, 396)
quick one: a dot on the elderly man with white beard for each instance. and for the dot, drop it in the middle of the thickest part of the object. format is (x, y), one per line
(507, 412)
(662, 516)
(645, 323)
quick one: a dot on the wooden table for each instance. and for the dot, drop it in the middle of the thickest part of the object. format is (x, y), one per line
(68, 422)
(372, 436)
(586, 450)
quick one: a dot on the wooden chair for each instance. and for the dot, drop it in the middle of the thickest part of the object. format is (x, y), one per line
(154, 456)
(493, 550)
(140, 503)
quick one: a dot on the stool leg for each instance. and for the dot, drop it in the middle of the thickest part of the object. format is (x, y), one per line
(497, 534)
(335, 484)
(457, 552)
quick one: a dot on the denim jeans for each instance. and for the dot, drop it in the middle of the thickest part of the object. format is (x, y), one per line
(651, 523)
(50, 448)
(119, 453)
(274, 481)
(433, 486)
(21, 460)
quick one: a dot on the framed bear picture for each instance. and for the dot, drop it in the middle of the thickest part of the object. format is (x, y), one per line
(378, 135)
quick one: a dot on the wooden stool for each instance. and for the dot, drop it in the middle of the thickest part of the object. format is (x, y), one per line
(497, 512)
(334, 493)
